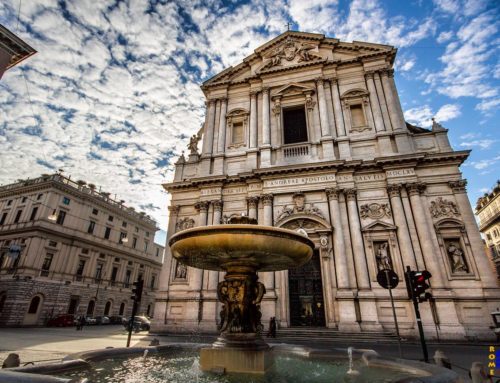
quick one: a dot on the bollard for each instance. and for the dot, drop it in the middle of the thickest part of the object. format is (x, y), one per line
(441, 359)
(12, 360)
(479, 374)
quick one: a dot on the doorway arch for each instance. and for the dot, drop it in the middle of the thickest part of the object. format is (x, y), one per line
(34, 309)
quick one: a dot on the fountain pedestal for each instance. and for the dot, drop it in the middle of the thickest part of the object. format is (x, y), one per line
(241, 250)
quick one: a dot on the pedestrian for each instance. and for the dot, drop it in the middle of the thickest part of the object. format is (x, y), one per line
(78, 323)
(82, 322)
(272, 327)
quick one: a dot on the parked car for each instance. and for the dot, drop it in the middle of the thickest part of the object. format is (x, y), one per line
(102, 320)
(141, 323)
(116, 319)
(90, 320)
(62, 320)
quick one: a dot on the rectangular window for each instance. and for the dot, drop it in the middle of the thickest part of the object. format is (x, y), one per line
(52, 243)
(85, 251)
(95, 211)
(147, 233)
(4, 217)
(136, 229)
(157, 251)
(66, 200)
(60, 217)
(110, 218)
(127, 277)
(124, 224)
(9, 202)
(153, 280)
(146, 243)
(488, 235)
(91, 228)
(102, 255)
(46, 265)
(134, 242)
(237, 136)
(122, 235)
(114, 273)
(18, 216)
(24, 199)
(33, 213)
(294, 125)
(98, 270)
(39, 196)
(107, 232)
(357, 115)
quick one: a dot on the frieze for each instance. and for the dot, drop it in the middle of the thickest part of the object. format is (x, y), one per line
(306, 180)
(375, 210)
(369, 177)
(442, 207)
(211, 191)
(400, 172)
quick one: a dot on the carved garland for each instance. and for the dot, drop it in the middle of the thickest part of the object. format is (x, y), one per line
(375, 210)
(442, 207)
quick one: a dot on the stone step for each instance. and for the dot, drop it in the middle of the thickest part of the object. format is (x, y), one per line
(324, 334)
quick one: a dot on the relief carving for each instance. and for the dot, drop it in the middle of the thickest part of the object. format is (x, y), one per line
(290, 50)
(442, 207)
(180, 271)
(300, 207)
(184, 223)
(375, 210)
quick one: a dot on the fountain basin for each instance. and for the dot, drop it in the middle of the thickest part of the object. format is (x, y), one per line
(224, 247)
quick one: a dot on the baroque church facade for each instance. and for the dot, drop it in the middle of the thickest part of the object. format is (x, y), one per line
(307, 133)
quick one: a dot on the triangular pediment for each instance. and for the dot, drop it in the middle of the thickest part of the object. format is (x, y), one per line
(292, 50)
(293, 89)
(378, 226)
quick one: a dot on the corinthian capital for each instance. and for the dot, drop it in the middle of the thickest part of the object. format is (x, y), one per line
(369, 74)
(394, 190)
(267, 199)
(217, 205)
(252, 202)
(415, 188)
(458, 186)
(201, 206)
(350, 194)
(332, 194)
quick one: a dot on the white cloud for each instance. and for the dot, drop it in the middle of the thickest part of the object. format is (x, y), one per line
(483, 164)
(447, 112)
(444, 37)
(482, 144)
(487, 105)
(422, 116)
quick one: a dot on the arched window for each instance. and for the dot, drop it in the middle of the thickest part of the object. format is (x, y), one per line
(35, 302)
(90, 308)
(122, 308)
(107, 308)
(149, 309)
(3, 298)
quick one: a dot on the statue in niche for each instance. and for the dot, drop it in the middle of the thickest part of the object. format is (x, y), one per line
(382, 256)
(457, 258)
(180, 271)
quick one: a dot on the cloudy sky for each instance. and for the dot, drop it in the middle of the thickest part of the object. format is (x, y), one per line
(113, 93)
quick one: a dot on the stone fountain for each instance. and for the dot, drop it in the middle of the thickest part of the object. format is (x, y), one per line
(241, 249)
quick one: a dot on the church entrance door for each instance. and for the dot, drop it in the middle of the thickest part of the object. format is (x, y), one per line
(306, 294)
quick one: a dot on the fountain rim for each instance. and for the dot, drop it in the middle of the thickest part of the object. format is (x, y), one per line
(240, 229)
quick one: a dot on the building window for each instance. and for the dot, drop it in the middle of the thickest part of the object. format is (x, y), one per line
(136, 229)
(122, 309)
(114, 273)
(102, 255)
(90, 308)
(495, 233)
(35, 302)
(91, 228)
(110, 218)
(127, 277)
(357, 115)
(107, 232)
(9, 202)
(146, 243)
(33, 213)
(134, 243)
(237, 134)
(122, 235)
(98, 270)
(39, 196)
(488, 236)
(124, 224)
(2, 220)
(95, 211)
(153, 280)
(147, 233)
(60, 217)
(46, 265)
(85, 251)
(107, 308)
(81, 267)
(157, 251)
(294, 125)
(66, 200)
(18, 216)
(23, 200)
(52, 243)
(3, 298)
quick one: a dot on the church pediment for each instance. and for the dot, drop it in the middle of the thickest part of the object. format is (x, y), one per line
(378, 226)
(293, 89)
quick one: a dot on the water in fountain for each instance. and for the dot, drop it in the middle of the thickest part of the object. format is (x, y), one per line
(351, 371)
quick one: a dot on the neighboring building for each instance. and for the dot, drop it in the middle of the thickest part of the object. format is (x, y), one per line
(67, 248)
(307, 133)
(13, 50)
(488, 211)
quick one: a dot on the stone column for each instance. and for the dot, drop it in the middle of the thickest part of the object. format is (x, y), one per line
(337, 108)
(338, 240)
(266, 125)
(397, 119)
(375, 105)
(267, 200)
(209, 129)
(357, 241)
(323, 111)
(397, 103)
(381, 100)
(483, 264)
(197, 282)
(252, 203)
(430, 254)
(166, 270)
(402, 228)
(221, 147)
(202, 208)
(217, 212)
(253, 119)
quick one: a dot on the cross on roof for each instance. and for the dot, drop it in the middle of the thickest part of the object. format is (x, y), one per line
(288, 25)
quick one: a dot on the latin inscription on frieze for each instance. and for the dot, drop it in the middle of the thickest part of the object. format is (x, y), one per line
(369, 177)
(400, 173)
(210, 191)
(306, 180)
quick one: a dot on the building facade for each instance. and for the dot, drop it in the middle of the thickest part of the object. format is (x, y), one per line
(13, 50)
(67, 248)
(307, 133)
(488, 211)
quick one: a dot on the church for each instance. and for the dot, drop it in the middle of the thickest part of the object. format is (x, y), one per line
(307, 133)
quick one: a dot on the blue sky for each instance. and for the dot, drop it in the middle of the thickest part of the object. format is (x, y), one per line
(113, 93)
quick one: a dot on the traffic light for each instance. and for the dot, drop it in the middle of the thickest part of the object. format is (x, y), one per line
(419, 284)
(137, 290)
